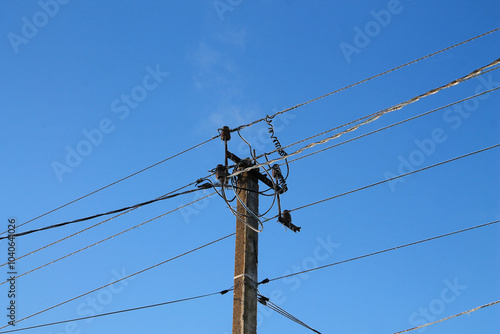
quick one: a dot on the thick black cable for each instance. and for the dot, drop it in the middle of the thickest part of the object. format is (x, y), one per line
(124, 278)
(92, 226)
(120, 311)
(101, 214)
(365, 80)
(263, 119)
(107, 238)
(267, 280)
(118, 181)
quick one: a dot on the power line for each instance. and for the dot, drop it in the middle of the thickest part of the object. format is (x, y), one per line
(365, 80)
(266, 302)
(124, 278)
(262, 119)
(396, 177)
(387, 180)
(118, 181)
(101, 214)
(372, 118)
(120, 311)
(356, 120)
(447, 318)
(92, 226)
(392, 125)
(108, 238)
(267, 280)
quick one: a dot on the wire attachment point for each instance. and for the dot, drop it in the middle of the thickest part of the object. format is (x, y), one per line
(286, 219)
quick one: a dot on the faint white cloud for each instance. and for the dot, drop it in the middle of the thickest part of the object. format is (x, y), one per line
(217, 77)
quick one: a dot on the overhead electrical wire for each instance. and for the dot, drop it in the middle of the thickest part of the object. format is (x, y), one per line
(119, 311)
(266, 302)
(352, 122)
(397, 177)
(92, 226)
(365, 80)
(118, 181)
(373, 117)
(450, 317)
(267, 280)
(263, 119)
(123, 278)
(135, 206)
(108, 238)
(392, 125)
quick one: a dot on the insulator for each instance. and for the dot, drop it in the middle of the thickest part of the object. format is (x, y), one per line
(220, 172)
(276, 171)
(286, 217)
(244, 163)
(225, 133)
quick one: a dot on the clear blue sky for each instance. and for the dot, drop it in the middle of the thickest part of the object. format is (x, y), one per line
(92, 91)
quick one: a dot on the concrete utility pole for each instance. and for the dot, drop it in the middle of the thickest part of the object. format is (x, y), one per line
(246, 254)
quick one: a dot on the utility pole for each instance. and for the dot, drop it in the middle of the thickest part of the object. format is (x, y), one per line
(247, 239)
(246, 257)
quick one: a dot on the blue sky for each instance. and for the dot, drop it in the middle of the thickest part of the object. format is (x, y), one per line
(93, 91)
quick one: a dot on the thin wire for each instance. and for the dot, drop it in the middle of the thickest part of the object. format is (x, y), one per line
(92, 226)
(381, 251)
(263, 119)
(396, 177)
(390, 126)
(387, 180)
(118, 181)
(266, 302)
(124, 278)
(242, 217)
(108, 238)
(348, 123)
(237, 214)
(367, 79)
(374, 117)
(119, 311)
(450, 317)
(101, 214)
